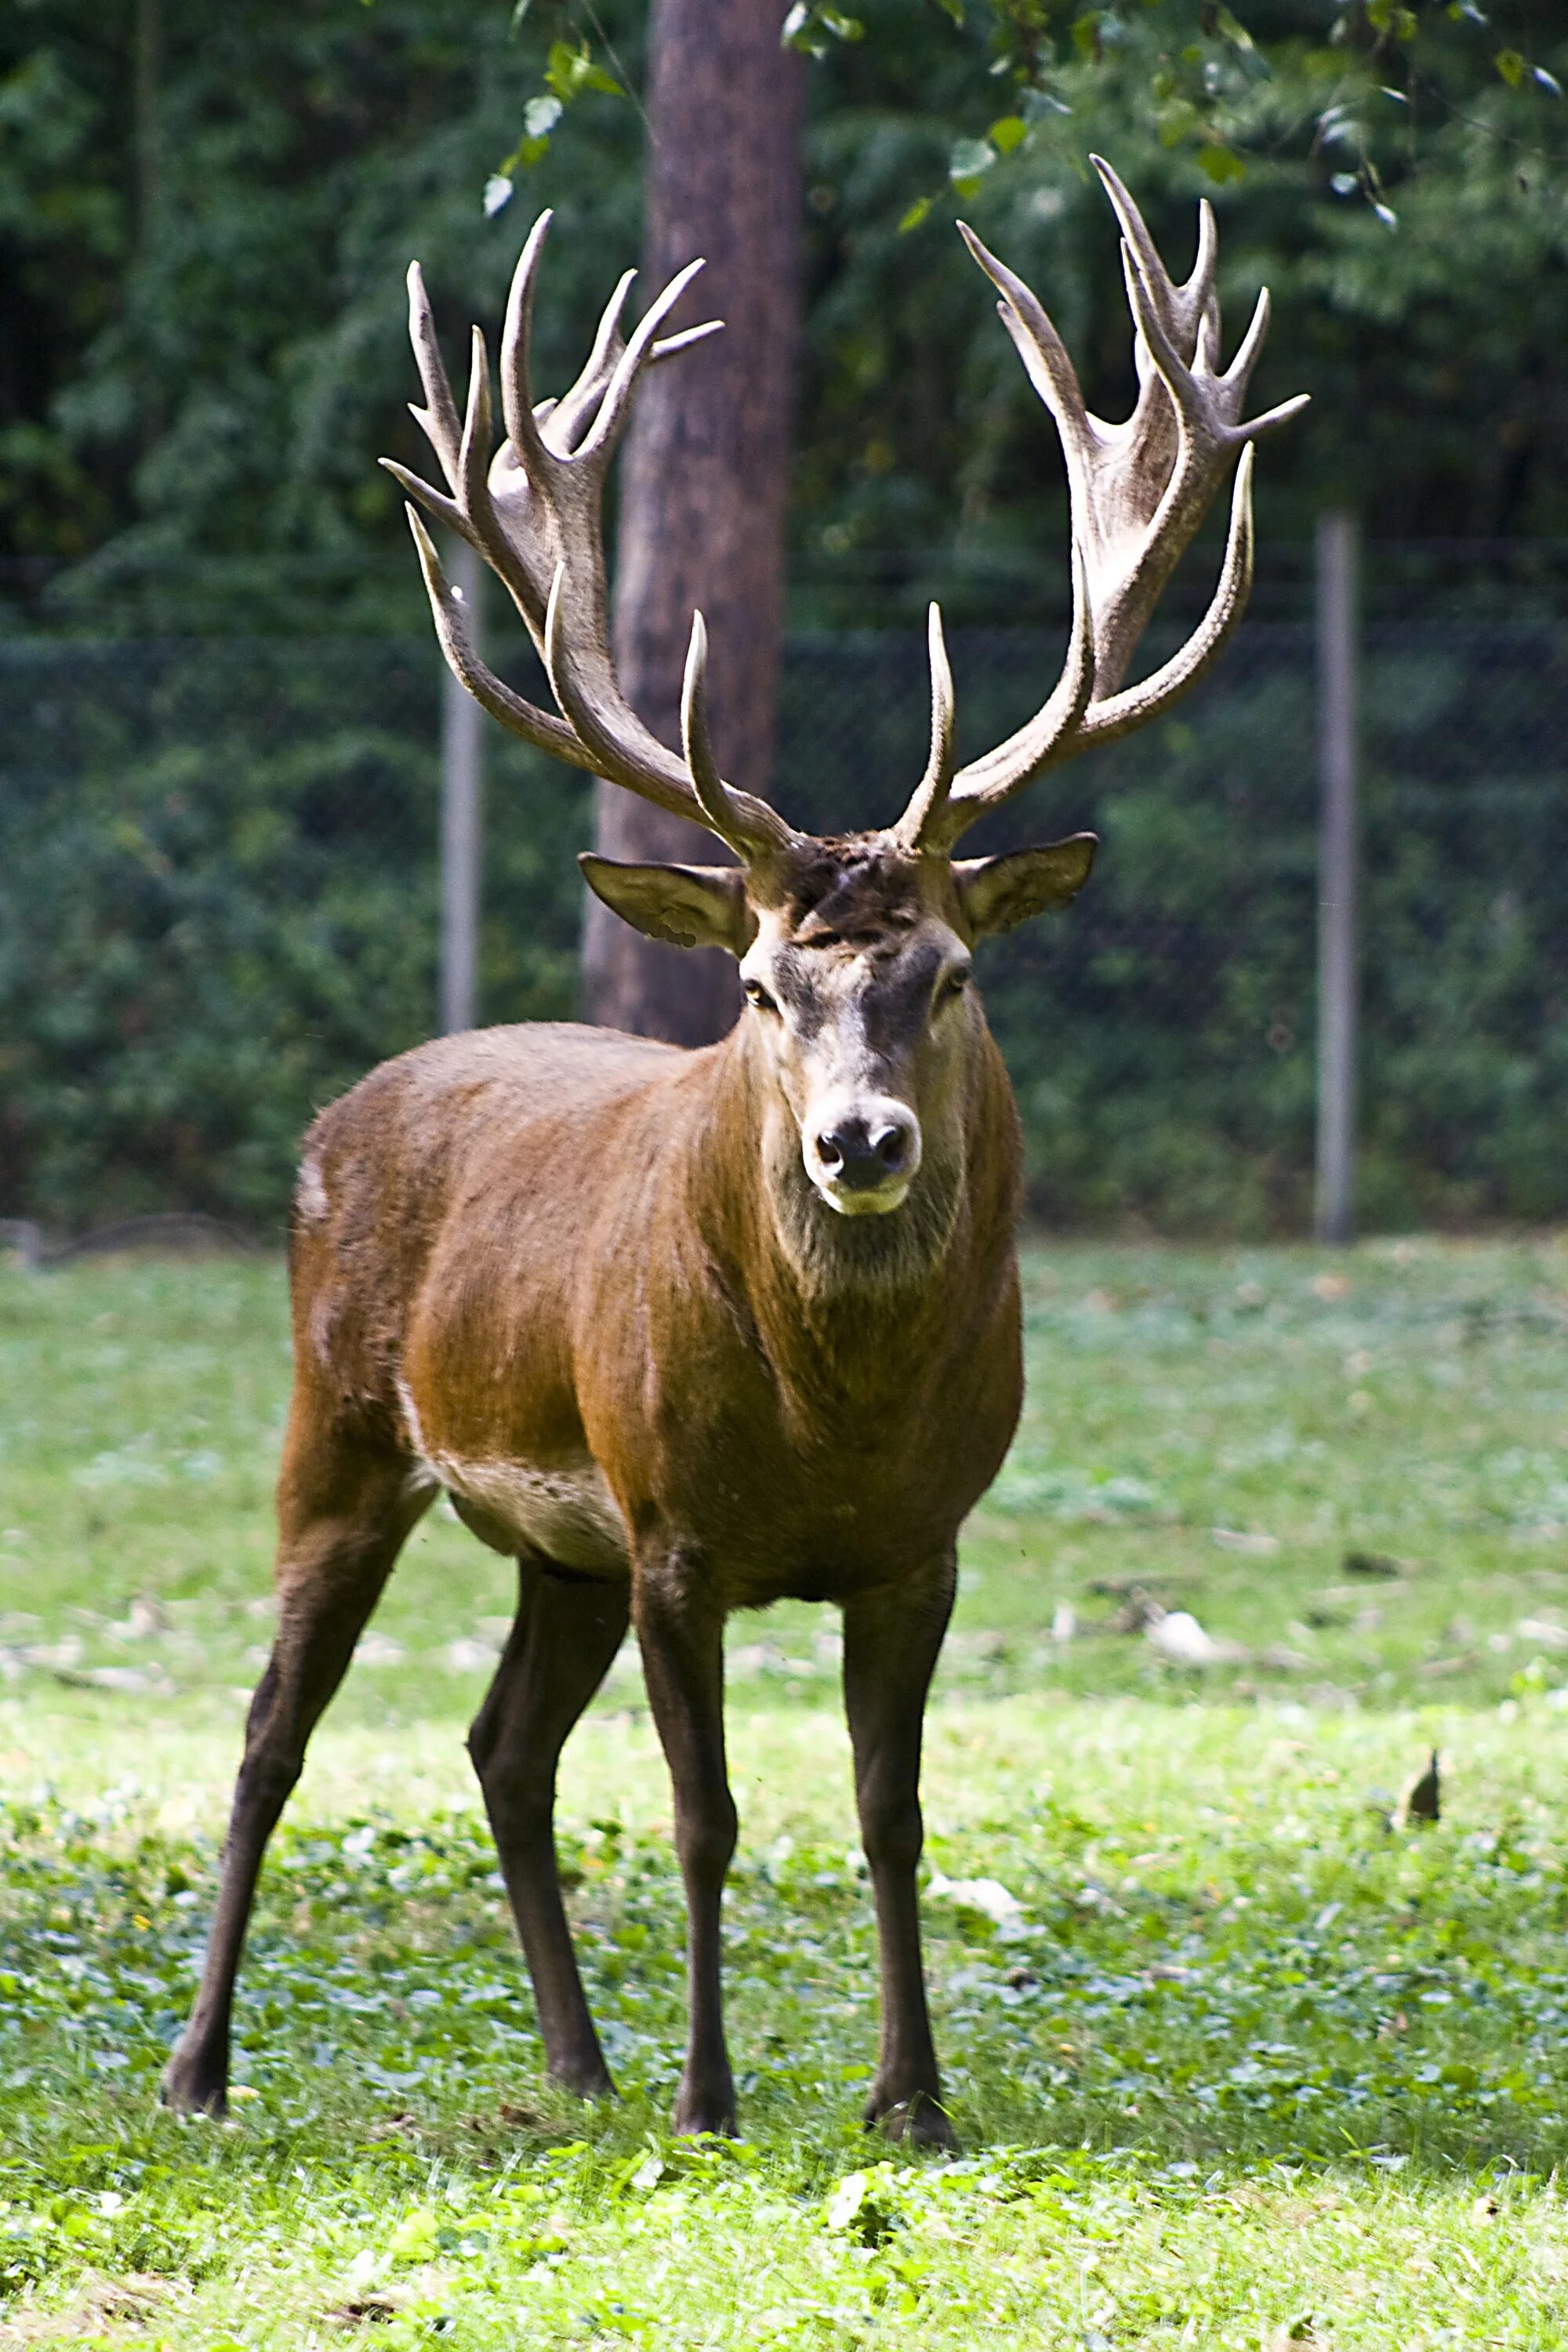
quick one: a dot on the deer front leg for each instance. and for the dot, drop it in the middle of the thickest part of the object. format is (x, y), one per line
(681, 1632)
(568, 1628)
(892, 1637)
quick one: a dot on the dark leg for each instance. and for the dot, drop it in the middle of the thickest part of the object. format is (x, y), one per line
(568, 1628)
(891, 1638)
(682, 1637)
(344, 1512)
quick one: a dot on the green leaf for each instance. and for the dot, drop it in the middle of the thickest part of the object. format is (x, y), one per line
(414, 2238)
(1235, 32)
(1217, 164)
(1086, 36)
(968, 159)
(1010, 132)
(919, 211)
(569, 72)
(1510, 65)
(808, 20)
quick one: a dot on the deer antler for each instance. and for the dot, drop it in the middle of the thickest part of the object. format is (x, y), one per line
(533, 512)
(1139, 491)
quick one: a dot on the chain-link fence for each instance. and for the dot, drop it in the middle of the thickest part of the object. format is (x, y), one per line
(218, 905)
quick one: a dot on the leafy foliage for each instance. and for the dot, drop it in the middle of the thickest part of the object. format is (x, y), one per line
(206, 350)
(217, 872)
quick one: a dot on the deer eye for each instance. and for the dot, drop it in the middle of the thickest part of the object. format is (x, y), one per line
(953, 986)
(755, 994)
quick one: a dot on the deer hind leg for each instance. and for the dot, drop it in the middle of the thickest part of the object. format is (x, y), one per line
(345, 1509)
(891, 1638)
(567, 1629)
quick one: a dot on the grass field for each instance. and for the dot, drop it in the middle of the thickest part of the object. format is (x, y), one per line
(1238, 2052)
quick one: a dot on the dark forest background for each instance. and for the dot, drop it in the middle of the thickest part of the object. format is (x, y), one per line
(218, 693)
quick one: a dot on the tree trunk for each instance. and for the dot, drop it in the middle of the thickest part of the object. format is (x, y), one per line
(704, 474)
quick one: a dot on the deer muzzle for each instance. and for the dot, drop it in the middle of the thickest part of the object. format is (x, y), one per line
(863, 1154)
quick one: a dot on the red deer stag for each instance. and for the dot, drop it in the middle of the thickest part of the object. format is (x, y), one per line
(686, 1332)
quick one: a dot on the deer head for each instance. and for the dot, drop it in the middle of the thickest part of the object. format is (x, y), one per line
(854, 951)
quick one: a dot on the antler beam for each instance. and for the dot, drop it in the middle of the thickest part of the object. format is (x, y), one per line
(1139, 491)
(532, 510)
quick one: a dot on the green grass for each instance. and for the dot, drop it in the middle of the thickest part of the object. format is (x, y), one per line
(1242, 2053)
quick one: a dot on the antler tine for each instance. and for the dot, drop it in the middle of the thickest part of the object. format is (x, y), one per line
(599, 441)
(1045, 355)
(749, 826)
(1139, 491)
(920, 822)
(1185, 309)
(517, 400)
(438, 422)
(566, 414)
(1051, 735)
(561, 420)
(451, 617)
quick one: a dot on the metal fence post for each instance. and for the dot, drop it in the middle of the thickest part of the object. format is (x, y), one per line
(1338, 550)
(462, 813)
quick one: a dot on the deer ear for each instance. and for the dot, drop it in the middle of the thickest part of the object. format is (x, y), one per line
(686, 906)
(995, 893)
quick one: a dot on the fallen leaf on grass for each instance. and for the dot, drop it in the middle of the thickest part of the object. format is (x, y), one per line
(466, 1657)
(374, 1649)
(986, 1896)
(1142, 1579)
(1379, 1564)
(361, 2311)
(115, 1678)
(53, 1657)
(144, 1620)
(1178, 1637)
(99, 2303)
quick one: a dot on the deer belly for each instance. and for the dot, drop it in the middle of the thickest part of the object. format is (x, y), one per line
(567, 1514)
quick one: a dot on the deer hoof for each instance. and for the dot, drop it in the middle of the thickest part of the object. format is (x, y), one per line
(918, 2119)
(699, 2118)
(189, 2088)
(588, 2081)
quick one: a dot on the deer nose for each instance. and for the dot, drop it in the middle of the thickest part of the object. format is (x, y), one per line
(861, 1154)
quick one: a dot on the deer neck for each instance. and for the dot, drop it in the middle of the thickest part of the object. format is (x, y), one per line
(852, 1301)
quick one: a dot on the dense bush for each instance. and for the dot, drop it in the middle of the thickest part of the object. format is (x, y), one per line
(217, 907)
